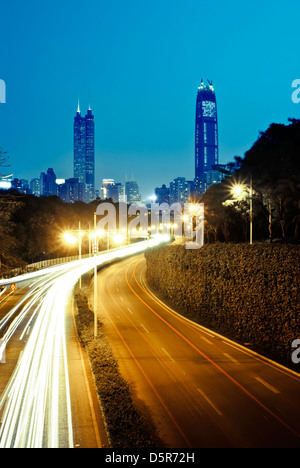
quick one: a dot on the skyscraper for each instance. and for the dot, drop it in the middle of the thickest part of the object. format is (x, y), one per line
(48, 186)
(132, 192)
(84, 152)
(206, 132)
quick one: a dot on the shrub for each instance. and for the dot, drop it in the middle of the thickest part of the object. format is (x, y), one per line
(247, 293)
(126, 427)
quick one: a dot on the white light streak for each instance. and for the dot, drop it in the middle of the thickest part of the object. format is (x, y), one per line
(36, 404)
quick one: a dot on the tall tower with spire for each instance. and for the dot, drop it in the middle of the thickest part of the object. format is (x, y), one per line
(84, 152)
(206, 131)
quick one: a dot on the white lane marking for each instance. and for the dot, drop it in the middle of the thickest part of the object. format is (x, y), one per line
(144, 328)
(266, 384)
(209, 334)
(210, 402)
(7, 296)
(129, 310)
(231, 358)
(121, 298)
(169, 356)
(87, 386)
(207, 341)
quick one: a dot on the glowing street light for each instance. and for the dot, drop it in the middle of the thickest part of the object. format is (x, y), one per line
(153, 198)
(70, 239)
(238, 190)
(193, 208)
(119, 239)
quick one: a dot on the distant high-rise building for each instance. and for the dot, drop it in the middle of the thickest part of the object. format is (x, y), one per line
(22, 185)
(162, 194)
(48, 186)
(84, 152)
(206, 132)
(35, 187)
(104, 191)
(132, 192)
(112, 190)
(71, 191)
(116, 192)
(17, 185)
(180, 190)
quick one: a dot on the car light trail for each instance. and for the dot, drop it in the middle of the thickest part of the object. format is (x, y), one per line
(36, 406)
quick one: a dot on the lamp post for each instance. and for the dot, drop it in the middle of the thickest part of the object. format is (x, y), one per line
(95, 248)
(79, 244)
(251, 211)
(71, 239)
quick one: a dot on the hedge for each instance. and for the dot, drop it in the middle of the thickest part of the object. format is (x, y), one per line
(248, 293)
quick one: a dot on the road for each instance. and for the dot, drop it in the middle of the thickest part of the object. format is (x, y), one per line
(47, 396)
(198, 388)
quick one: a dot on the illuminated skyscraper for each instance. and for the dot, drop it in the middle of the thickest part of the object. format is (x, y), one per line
(48, 186)
(84, 152)
(206, 132)
(132, 192)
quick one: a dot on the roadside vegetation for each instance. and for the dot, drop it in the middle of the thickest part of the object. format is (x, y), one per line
(250, 294)
(126, 426)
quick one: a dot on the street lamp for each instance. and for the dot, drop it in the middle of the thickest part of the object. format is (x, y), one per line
(238, 190)
(118, 239)
(71, 239)
(95, 249)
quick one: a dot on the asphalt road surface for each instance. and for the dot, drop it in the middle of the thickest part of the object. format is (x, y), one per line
(47, 393)
(199, 389)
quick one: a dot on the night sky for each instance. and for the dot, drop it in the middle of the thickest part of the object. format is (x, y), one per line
(139, 64)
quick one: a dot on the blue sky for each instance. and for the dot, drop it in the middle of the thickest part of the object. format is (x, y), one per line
(141, 63)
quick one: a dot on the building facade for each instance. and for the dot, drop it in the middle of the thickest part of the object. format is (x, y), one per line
(35, 187)
(48, 186)
(180, 190)
(112, 190)
(84, 152)
(162, 194)
(132, 192)
(71, 191)
(206, 132)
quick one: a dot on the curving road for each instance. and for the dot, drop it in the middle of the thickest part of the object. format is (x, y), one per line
(47, 400)
(198, 388)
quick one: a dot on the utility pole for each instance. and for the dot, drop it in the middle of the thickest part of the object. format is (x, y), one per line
(95, 279)
(79, 244)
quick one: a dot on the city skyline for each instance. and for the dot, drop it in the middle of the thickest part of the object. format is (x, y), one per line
(150, 227)
(141, 86)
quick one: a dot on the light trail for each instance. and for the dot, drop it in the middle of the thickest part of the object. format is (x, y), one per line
(36, 404)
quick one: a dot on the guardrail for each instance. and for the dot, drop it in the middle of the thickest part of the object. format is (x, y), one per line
(42, 264)
(59, 261)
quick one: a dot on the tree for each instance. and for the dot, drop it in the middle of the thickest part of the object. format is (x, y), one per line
(274, 163)
(3, 158)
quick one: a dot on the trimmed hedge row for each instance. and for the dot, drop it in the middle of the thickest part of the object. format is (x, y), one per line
(248, 293)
